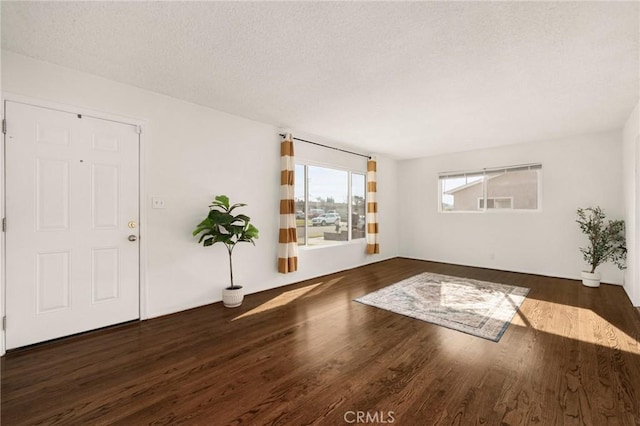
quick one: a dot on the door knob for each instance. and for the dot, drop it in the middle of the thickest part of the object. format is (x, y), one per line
(133, 238)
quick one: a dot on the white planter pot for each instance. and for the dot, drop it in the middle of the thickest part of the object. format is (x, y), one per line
(232, 298)
(591, 280)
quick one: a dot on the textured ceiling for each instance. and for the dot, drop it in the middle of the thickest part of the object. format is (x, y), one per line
(403, 79)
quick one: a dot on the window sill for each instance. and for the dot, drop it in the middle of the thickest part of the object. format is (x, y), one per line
(359, 241)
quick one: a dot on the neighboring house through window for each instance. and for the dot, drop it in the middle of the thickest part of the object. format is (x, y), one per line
(505, 188)
(496, 203)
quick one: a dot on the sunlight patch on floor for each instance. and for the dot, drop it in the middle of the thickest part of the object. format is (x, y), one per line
(585, 325)
(287, 297)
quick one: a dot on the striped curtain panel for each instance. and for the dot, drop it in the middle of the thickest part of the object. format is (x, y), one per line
(287, 240)
(373, 246)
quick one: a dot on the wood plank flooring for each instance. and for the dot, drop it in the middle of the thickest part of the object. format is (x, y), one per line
(307, 354)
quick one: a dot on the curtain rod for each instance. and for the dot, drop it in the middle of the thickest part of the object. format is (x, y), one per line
(330, 147)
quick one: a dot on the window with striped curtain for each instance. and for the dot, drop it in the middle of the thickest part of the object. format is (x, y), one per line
(287, 240)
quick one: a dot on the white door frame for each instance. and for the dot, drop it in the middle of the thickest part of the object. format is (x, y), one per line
(142, 124)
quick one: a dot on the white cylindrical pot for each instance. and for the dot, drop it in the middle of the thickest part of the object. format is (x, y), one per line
(232, 298)
(591, 280)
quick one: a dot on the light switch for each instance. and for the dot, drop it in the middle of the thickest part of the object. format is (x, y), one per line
(157, 203)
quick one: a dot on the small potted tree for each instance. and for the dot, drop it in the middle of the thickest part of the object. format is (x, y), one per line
(221, 226)
(606, 242)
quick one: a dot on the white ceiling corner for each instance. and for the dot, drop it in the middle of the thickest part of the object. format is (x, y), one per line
(403, 79)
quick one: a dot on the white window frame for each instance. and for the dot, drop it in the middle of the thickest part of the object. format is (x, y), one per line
(486, 173)
(350, 172)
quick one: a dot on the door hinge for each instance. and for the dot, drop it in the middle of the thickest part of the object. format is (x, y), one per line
(4, 126)
(4, 224)
(4, 323)
(139, 130)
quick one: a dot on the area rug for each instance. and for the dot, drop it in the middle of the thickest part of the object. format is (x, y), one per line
(479, 308)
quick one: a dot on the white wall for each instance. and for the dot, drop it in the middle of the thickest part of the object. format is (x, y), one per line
(577, 172)
(194, 153)
(631, 185)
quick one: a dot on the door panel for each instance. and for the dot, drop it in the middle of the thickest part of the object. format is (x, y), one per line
(105, 193)
(105, 280)
(71, 188)
(52, 195)
(52, 280)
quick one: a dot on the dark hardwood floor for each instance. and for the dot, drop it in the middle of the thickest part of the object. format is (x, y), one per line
(308, 354)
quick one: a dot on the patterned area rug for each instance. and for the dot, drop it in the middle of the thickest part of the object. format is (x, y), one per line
(475, 307)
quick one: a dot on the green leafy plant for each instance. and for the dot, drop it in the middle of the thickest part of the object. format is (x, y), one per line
(606, 238)
(221, 226)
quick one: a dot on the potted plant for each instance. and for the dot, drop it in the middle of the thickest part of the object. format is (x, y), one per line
(221, 226)
(606, 242)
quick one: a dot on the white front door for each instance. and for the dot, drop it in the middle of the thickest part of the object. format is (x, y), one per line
(72, 255)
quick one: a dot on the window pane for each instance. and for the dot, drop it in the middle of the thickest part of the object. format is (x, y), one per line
(327, 206)
(503, 203)
(299, 197)
(513, 190)
(358, 206)
(463, 193)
